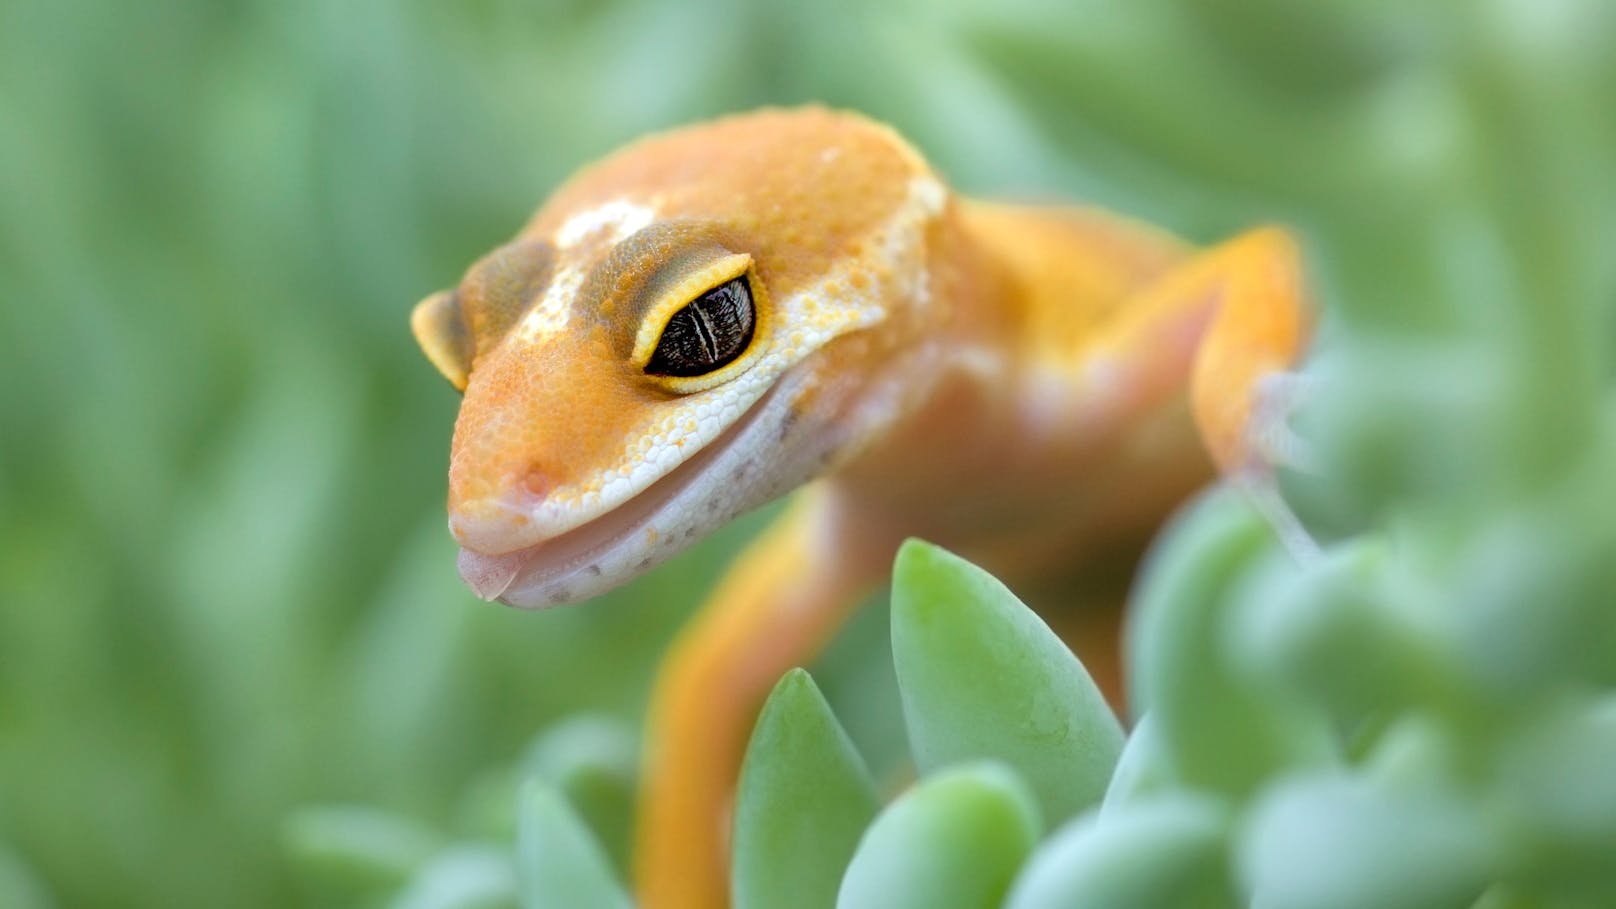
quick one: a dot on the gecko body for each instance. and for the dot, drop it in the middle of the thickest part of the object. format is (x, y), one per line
(716, 316)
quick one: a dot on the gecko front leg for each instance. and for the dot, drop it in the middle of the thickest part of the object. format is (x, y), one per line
(1246, 299)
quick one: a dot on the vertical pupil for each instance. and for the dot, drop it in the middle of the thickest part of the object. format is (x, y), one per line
(709, 332)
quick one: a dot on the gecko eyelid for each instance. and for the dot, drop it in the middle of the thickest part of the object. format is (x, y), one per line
(706, 334)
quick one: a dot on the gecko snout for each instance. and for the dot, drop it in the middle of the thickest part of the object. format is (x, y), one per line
(490, 526)
(501, 520)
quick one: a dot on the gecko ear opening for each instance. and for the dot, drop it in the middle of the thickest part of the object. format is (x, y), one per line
(439, 325)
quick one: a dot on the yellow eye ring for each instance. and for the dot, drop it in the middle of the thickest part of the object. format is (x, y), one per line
(683, 293)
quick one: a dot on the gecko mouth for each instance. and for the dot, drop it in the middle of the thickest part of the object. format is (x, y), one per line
(540, 574)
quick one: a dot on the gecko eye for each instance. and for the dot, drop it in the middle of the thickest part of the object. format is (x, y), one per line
(708, 333)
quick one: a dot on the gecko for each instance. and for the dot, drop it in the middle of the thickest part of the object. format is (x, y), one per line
(794, 301)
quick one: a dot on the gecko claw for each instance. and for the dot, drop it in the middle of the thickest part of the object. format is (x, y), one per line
(1262, 492)
(1269, 437)
(1271, 443)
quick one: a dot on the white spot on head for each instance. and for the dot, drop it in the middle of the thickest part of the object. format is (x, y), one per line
(548, 317)
(926, 194)
(619, 219)
(622, 217)
(903, 246)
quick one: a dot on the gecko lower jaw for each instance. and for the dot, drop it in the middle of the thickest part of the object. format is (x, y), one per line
(579, 549)
(599, 554)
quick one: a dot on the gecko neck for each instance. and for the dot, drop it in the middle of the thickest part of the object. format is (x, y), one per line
(994, 442)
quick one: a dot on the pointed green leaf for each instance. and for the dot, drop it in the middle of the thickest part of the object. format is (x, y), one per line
(1165, 850)
(558, 862)
(593, 760)
(952, 842)
(983, 677)
(1142, 768)
(474, 876)
(355, 850)
(804, 799)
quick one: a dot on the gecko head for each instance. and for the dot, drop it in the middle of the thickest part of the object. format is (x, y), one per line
(683, 332)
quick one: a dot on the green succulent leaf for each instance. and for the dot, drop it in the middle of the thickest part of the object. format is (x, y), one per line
(1415, 750)
(1333, 634)
(1558, 779)
(954, 841)
(593, 761)
(982, 677)
(1339, 842)
(469, 876)
(805, 797)
(1143, 767)
(1160, 851)
(356, 850)
(559, 863)
(19, 887)
(1222, 727)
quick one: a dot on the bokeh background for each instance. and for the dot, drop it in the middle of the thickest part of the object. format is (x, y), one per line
(226, 590)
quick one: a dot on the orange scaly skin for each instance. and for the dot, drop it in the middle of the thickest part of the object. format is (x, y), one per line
(1022, 385)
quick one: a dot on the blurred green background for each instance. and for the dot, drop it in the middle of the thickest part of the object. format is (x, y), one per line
(226, 590)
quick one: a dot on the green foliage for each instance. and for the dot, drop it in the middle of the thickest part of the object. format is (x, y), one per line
(982, 677)
(1271, 782)
(463, 877)
(1396, 805)
(558, 859)
(952, 842)
(226, 597)
(1388, 845)
(592, 762)
(1220, 729)
(1164, 851)
(804, 798)
(19, 888)
(358, 853)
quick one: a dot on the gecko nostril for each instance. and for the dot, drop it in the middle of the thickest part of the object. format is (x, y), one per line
(537, 482)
